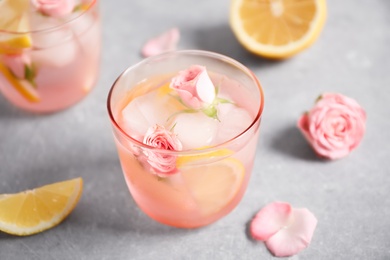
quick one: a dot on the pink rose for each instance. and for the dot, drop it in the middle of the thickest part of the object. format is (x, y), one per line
(54, 8)
(17, 64)
(161, 138)
(194, 87)
(334, 126)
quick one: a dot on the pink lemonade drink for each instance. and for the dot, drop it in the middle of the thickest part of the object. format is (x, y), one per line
(186, 127)
(49, 52)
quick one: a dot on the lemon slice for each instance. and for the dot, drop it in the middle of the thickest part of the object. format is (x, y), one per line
(214, 186)
(164, 90)
(186, 160)
(277, 28)
(15, 21)
(36, 210)
(22, 86)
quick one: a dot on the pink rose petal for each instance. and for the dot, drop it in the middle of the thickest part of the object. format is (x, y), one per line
(270, 219)
(166, 41)
(205, 88)
(295, 237)
(303, 125)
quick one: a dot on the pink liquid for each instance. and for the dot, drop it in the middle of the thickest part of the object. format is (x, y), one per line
(202, 192)
(66, 68)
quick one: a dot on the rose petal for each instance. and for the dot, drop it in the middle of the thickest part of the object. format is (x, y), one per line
(205, 88)
(303, 126)
(166, 41)
(270, 219)
(294, 238)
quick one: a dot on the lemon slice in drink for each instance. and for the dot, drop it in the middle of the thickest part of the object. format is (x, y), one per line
(277, 28)
(22, 86)
(214, 186)
(185, 160)
(36, 210)
(14, 19)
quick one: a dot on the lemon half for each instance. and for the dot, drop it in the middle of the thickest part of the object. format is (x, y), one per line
(277, 29)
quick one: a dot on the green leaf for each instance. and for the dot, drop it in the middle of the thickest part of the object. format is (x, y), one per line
(318, 98)
(173, 127)
(30, 73)
(78, 8)
(222, 101)
(211, 111)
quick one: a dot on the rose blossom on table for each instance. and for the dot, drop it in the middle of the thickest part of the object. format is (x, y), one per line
(54, 8)
(285, 230)
(163, 163)
(334, 126)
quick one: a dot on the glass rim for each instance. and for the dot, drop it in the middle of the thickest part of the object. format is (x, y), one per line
(209, 54)
(91, 4)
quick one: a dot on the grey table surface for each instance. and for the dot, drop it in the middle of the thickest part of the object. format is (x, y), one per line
(350, 197)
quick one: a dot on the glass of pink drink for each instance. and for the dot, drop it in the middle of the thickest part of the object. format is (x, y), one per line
(49, 56)
(186, 126)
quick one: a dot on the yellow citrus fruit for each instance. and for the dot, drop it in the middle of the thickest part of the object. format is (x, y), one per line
(36, 210)
(22, 86)
(277, 28)
(202, 157)
(164, 90)
(15, 21)
(213, 186)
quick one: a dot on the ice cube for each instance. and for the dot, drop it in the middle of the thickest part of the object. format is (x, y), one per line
(55, 47)
(147, 111)
(195, 130)
(81, 23)
(233, 121)
(89, 37)
(58, 56)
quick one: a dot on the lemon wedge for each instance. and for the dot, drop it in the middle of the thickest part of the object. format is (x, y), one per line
(14, 26)
(33, 211)
(22, 86)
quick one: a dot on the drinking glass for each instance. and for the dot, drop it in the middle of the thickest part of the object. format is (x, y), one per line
(210, 180)
(56, 63)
